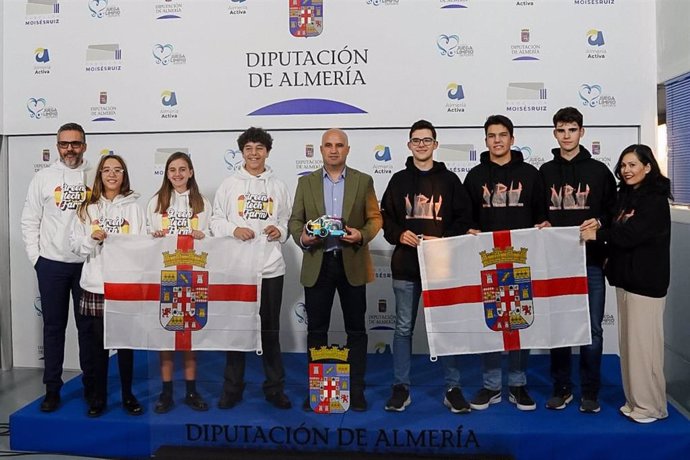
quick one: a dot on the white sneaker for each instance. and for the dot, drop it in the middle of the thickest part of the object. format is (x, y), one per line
(625, 410)
(644, 419)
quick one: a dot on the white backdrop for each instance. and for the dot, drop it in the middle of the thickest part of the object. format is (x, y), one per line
(151, 75)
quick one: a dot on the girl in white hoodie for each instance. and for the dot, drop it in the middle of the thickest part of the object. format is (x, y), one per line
(112, 208)
(178, 208)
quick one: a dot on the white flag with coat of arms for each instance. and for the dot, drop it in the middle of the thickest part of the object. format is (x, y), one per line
(178, 293)
(505, 290)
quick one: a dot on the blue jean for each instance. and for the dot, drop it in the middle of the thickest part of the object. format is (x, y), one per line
(407, 295)
(517, 365)
(590, 355)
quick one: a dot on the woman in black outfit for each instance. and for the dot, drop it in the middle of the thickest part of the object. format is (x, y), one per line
(639, 240)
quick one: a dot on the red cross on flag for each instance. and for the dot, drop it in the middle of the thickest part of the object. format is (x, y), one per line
(177, 293)
(506, 290)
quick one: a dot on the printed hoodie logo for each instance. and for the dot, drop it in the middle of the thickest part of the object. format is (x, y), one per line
(502, 195)
(255, 206)
(423, 207)
(68, 197)
(111, 225)
(568, 197)
(179, 221)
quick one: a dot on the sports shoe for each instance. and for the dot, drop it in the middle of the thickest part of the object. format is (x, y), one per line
(520, 397)
(455, 401)
(559, 399)
(589, 406)
(625, 409)
(485, 397)
(399, 400)
(644, 420)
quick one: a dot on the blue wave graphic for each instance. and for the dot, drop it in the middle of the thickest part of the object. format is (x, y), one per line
(448, 7)
(382, 328)
(307, 107)
(526, 58)
(169, 16)
(103, 119)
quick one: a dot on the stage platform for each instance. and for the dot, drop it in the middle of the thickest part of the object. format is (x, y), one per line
(425, 428)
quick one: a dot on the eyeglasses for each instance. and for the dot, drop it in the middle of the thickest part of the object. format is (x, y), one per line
(75, 144)
(423, 141)
(116, 171)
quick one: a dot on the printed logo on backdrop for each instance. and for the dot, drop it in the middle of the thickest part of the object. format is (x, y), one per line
(161, 155)
(383, 2)
(237, 7)
(530, 156)
(453, 4)
(307, 69)
(383, 348)
(44, 163)
(459, 158)
(104, 58)
(595, 149)
(168, 10)
(42, 61)
(101, 9)
(593, 96)
(299, 313)
(595, 45)
(310, 164)
(525, 50)
(306, 18)
(169, 103)
(451, 47)
(526, 97)
(103, 111)
(382, 319)
(382, 155)
(106, 151)
(42, 12)
(608, 320)
(595, 2)
(524, 3)
(165, 54)
(233, 160)
(456, 96)
(38, 109)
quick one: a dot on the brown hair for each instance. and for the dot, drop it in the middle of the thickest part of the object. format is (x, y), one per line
(97, 189)
(196, 200)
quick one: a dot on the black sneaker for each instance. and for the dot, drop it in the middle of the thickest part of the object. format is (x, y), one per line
(399, 400)
(455, 401)
(485, 397)
(559, 399)
(589, 406)
(196, 402)
(520, 397)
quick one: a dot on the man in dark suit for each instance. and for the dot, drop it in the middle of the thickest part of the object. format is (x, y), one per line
(337, 263)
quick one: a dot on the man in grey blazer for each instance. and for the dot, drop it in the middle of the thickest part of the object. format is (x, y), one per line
(342, 263)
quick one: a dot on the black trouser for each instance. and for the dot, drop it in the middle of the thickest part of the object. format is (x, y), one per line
(353, 301)
(271, 299)
(56, 281)
(125, 361)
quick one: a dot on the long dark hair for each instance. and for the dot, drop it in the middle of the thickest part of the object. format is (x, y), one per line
(196, 200)
(654, 180)
(97, 189)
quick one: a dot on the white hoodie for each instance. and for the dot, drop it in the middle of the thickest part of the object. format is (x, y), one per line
(178, 220)
(54, 195)
(243, 200)
(122, 215)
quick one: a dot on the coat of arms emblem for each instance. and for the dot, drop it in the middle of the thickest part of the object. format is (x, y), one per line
(507, 297)
(184, 300)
